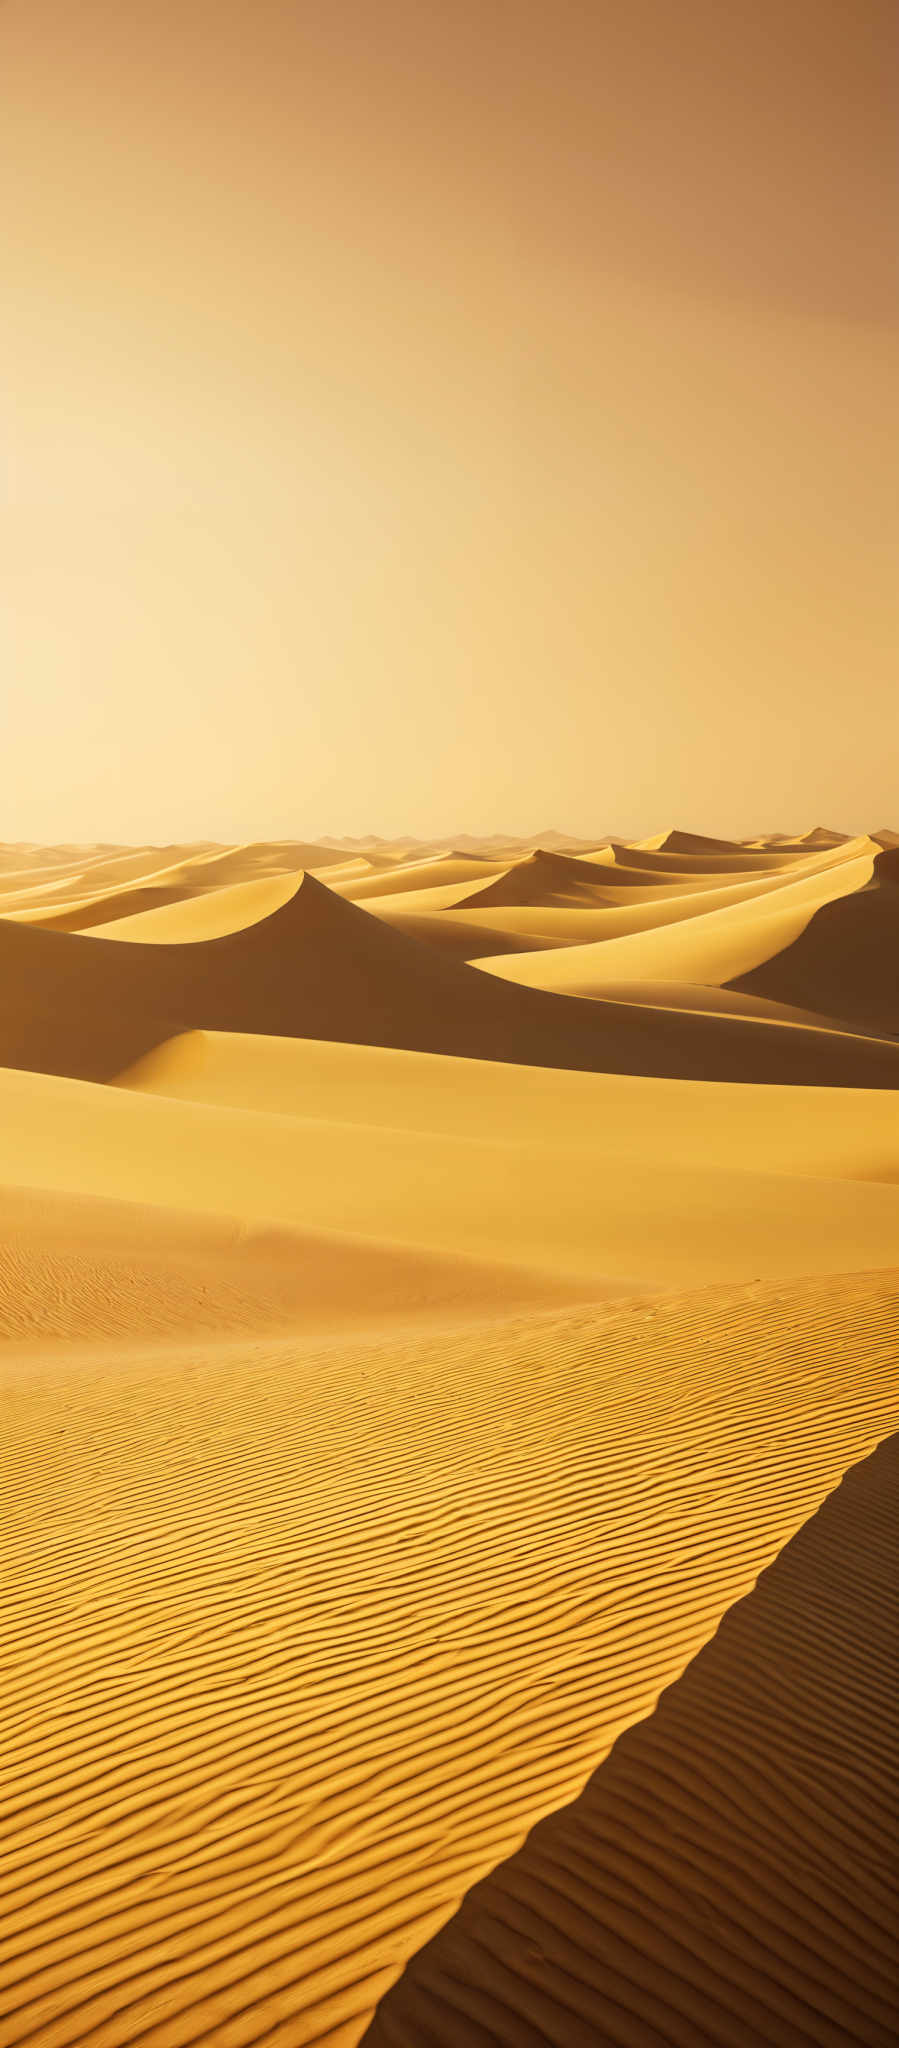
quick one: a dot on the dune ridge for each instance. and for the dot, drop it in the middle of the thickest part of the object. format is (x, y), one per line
(319, 966)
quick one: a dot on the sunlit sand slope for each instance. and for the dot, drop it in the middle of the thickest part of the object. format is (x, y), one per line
(637, 1188)
(82, 1268)
(726, 1875)
(709, 946)
(321, 967)
(299, 1643)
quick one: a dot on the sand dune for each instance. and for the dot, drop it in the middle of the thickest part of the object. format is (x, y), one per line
(624, 910)
(726, 1875)
(845, 959)
(322, 967)
(613, 1204)
(83, 1269)
(310, 1641)
(406, 1365)
(451, 871)
(461, 938)
(712, 947)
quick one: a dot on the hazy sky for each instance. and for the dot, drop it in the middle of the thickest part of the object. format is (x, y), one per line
(420, 415)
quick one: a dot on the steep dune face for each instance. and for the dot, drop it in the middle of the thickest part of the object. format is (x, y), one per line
(321, 967)
(846, 959)
(726, 1874)
(697, 842)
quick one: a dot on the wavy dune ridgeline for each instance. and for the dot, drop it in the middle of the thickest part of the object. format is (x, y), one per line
(436, 1279)
(728, 1874)
(320, 967)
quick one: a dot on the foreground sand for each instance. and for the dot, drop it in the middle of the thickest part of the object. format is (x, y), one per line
(406, 1364)
(727, 1875)
(302, 1639)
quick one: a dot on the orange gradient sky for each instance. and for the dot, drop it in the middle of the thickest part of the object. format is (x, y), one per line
(473, 415)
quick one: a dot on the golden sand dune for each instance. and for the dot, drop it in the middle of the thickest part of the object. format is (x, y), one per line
(622, 911)
(304, 1640)
(450, 871)
(83, 1269)
(712, 946)
(636, 1184)
(677, 841)
(405, 1367)
(554, 881)
(831, 1133)
(726, 1874)
(845, 959)
(719, 1002)
(120, 886)
(460, 937)
(212, 914)
(322, 967)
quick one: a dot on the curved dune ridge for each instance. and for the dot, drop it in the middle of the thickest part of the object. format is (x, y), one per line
(303, 1642)
(709, 945)
(726, 1875)
(322, 967)
(846, 958)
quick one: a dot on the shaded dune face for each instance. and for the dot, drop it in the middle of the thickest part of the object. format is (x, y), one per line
(726, 1875)
(846, 961)
(320, 967)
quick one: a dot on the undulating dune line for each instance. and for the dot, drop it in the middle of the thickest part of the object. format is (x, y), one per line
(319, 966)
(300, 1643)
(437, 1277)
(727, 1875)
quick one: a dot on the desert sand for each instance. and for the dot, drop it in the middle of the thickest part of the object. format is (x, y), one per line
(449, 1331)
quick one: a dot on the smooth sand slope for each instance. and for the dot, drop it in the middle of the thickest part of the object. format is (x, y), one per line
(642, 1191)
(322, 967)
(299, 1643)
(79, 1268)
(726, 1875)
